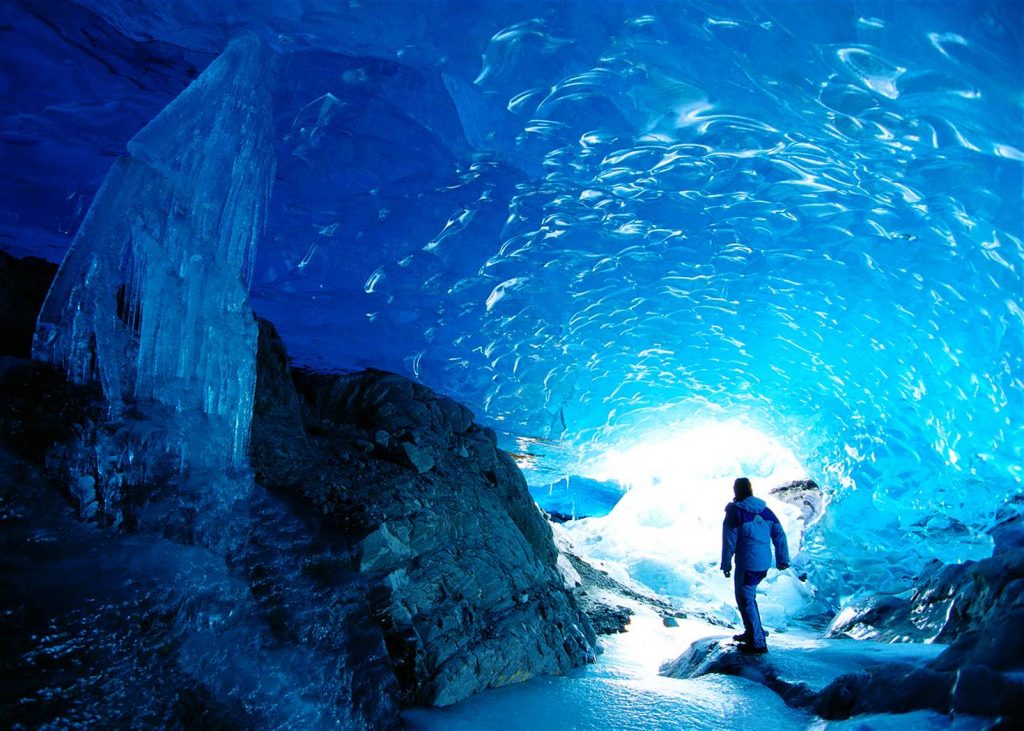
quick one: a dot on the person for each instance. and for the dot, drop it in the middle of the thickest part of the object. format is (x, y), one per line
(749, 530)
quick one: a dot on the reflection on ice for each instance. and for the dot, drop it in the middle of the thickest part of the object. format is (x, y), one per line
(623, 690)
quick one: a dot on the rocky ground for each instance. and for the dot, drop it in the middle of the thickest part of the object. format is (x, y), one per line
(387, 554)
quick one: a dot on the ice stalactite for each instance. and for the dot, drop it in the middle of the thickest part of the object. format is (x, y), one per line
(152, 297)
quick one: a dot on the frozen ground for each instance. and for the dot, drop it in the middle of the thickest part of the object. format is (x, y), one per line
(623, 690)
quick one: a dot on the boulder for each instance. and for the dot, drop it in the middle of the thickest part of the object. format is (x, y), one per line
(981, 691)
(949, 600)
(717, 656)
(889, 688)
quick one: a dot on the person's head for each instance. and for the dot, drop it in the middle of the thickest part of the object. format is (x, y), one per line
(742, 489)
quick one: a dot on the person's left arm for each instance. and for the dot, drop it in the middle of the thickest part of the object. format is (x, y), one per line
(730, 533)
(779, 541)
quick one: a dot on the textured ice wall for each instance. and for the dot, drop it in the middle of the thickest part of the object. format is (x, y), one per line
(595, 221)
(151, 298)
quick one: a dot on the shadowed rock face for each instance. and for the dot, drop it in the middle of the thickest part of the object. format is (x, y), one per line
(950, 603)
(461, 561)
(23, 285)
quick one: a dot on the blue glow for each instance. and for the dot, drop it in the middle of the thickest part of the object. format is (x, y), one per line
(665, 533)
(592, 221)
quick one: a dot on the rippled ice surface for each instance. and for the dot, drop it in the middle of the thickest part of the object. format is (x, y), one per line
(594, 221)
(623, 692)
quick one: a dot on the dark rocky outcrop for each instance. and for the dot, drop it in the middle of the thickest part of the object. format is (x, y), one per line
(23, 286)
(878, 688)
(969, 677)
(949, 601)
(388, 554)
(888, 688)
(462, 563)
(715, 656)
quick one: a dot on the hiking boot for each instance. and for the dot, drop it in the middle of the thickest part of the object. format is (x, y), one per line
(753, 649)
(744, 637)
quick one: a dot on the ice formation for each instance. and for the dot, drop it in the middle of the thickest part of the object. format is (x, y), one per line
(595, 223)
(152, 297)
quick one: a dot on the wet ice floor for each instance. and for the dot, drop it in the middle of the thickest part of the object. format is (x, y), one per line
(623, 690)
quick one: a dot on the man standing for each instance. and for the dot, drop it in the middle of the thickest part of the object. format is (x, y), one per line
(749, 531)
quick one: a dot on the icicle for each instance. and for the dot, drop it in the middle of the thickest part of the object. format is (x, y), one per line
(152, 297)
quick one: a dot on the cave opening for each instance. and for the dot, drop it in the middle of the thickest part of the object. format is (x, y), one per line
(665, 531)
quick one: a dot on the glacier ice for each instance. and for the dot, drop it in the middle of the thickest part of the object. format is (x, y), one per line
(152, 297)
(590, 221)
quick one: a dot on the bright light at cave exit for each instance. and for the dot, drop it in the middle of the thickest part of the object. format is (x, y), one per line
(701, 452)
(665, 532)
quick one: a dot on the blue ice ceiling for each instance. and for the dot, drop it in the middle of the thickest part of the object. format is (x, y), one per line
(593, 222)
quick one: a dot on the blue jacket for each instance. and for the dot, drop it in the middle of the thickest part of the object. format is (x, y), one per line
(748, 531)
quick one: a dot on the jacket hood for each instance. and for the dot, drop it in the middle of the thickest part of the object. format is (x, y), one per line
(753, 504)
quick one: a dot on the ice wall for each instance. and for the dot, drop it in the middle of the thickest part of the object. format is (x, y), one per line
(594, 222)
(152, 297)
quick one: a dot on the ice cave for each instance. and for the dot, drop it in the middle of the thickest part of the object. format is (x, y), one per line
(379, 364)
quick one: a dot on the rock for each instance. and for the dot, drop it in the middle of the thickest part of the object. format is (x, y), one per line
(23, 287)
(998, 645)
(702, 657)
(461, 563)
(417, 457)
(889, 688)
(458, 418)
(980, 691)
(609, 619)
(275, 398)
(386, 549)
(804, 494)
(717, 656)
(41, 409)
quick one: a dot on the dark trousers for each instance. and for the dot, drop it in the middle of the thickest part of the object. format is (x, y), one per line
(746, 599)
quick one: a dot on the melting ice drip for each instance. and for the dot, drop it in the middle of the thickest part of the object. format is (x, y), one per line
(152, 297)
